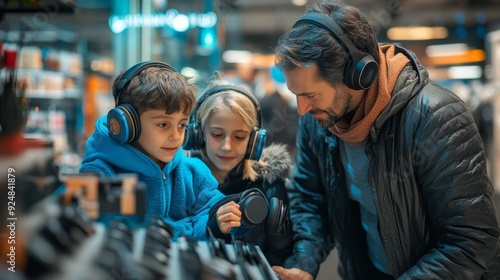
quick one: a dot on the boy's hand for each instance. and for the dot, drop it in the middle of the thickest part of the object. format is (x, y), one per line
(228, 216)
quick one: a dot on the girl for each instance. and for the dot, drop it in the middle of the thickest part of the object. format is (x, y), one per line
(228, 138)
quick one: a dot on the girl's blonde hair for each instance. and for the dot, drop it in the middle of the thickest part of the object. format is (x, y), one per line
(236, 102)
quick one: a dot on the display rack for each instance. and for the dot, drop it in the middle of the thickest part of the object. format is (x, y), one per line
(63, 6)
(53, 83)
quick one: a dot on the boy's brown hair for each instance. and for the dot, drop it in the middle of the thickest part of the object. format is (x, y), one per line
(158, 88)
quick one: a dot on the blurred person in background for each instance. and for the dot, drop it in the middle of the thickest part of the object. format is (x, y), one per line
(279, 112)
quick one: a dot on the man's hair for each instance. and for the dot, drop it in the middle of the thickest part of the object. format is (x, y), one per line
(158, 88)
(299, 47)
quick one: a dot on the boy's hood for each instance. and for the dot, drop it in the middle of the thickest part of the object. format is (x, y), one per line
(100, 146)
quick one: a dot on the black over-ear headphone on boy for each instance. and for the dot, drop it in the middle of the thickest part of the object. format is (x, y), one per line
(257, 135)
(361, 69)
(124, 125)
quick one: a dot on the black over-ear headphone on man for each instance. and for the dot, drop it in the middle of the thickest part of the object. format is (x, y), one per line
(257, 135)
(124, 125)
(361, 70)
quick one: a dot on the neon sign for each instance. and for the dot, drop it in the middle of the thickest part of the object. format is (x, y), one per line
(172, 18)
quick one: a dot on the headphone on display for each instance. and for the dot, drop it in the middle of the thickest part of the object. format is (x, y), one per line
(257, 137)
(255, 209)
(123, 121)
(361, 69)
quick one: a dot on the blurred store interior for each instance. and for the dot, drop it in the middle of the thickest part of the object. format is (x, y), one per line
(69, 51)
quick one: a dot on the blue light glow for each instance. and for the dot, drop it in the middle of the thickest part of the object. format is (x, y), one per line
(172, 18)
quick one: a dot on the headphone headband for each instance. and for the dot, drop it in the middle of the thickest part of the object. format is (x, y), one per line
(222, 88)
(361, 70)
(323, 21)
(134, 71)
(257, 135)
(123, 121)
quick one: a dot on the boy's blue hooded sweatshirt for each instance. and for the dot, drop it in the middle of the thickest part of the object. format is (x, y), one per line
(182, 192)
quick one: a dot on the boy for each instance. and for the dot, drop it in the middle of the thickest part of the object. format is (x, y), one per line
(143, 135)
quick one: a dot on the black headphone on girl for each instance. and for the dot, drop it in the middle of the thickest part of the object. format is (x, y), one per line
(256, 209)
(361, 69)
(257, 137)
(124, 125)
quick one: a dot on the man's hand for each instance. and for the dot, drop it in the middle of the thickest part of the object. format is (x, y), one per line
(228, 216)
(292, 273)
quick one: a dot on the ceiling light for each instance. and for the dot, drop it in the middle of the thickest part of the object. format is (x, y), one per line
(299, 2)
(446, 50)
(95, 65)
(234, 56)
(191, 72)
(470, 56)
(465, 72)
(417, 33)
(181, 23)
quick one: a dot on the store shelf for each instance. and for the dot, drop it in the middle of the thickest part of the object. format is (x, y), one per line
(37, 6)
(53, 83)
(55, 94)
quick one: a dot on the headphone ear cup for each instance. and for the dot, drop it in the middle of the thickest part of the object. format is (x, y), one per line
(361, 73)
(278, 217)
(253, 206)
(136, 121)
(186, 136)
(273, 216)
(193, 138)
(123, 124)
(256, 143)
(368, 73)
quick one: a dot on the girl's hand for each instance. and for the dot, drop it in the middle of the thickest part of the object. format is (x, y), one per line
(228, 216)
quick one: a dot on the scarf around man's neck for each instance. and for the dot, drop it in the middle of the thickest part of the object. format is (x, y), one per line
(355, 132)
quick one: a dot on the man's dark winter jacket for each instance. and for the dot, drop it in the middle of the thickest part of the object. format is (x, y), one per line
(428, 175)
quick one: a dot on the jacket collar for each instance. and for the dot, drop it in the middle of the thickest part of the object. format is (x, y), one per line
(410, 81)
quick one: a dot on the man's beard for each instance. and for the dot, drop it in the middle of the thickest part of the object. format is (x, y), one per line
(330, 120)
